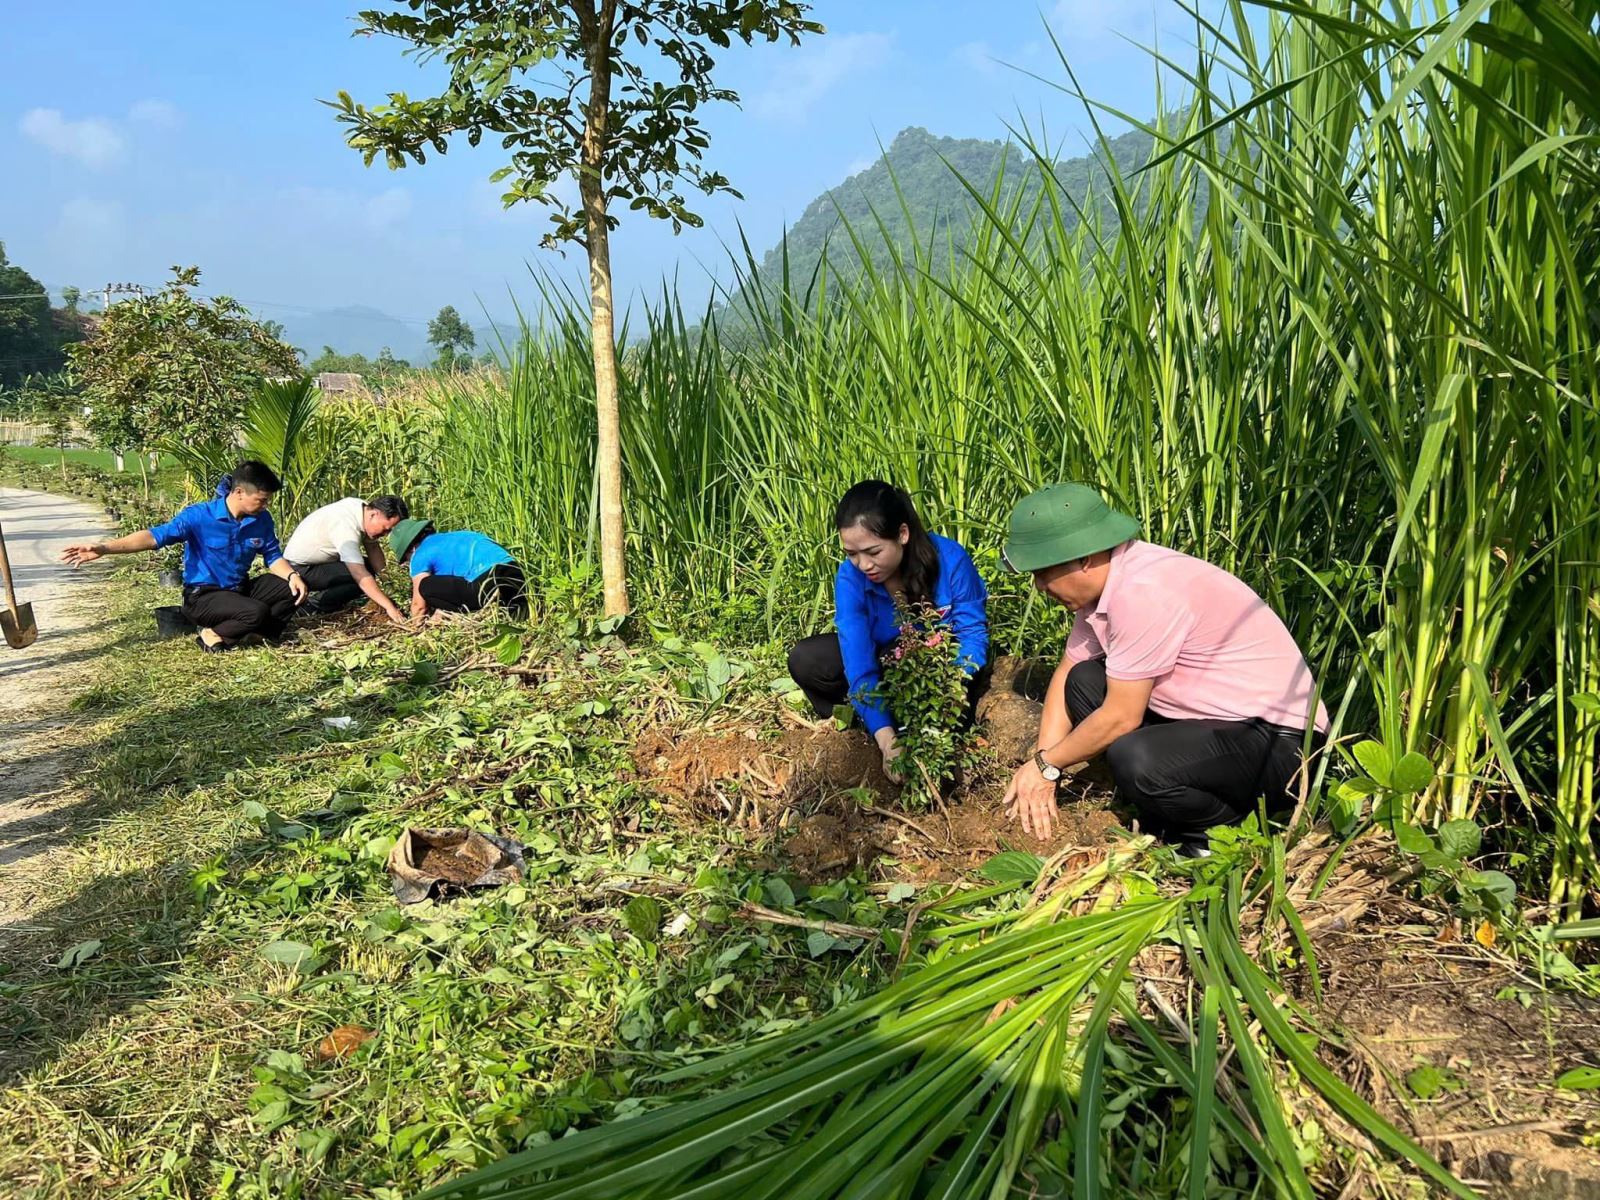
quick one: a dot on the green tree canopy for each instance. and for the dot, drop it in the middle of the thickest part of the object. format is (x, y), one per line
(450, 335)
(30, 337)
(174, 367)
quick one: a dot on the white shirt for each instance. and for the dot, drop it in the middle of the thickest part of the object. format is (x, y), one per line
(332, 533)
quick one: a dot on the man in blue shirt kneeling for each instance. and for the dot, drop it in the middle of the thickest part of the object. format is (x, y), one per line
(221, 538)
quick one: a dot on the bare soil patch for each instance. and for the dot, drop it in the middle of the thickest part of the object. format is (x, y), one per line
(1415, 996)
(814, 781)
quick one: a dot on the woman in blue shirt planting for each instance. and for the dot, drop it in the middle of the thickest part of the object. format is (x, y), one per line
(456, 572)
(892, 566)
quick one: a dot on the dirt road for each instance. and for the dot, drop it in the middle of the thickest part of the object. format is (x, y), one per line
(37, 684)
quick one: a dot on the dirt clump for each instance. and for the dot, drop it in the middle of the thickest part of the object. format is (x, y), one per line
(829, 844)
(461, 863)
(691, 766)
(960, 838)
(1009, 711)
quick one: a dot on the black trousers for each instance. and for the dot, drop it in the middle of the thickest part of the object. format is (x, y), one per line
(816, 664)
(261, 605)
(1186, 776)
(451, 593)
(332, 586)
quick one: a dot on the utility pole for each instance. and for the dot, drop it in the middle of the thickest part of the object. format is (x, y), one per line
(119, 289)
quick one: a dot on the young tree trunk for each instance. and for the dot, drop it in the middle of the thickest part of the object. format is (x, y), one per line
(591, 186)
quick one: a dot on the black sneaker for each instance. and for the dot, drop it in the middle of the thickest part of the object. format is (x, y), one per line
(219, 648)
(1193, 850)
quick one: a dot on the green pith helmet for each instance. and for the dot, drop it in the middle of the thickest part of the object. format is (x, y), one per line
(406, 535)
(1062, 522)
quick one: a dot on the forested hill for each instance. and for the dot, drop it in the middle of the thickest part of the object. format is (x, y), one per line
(925, 168)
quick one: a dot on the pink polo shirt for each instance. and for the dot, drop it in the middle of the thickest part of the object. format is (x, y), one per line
(1213, 647)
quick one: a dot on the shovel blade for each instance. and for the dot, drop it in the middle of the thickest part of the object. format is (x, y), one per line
(19, 626)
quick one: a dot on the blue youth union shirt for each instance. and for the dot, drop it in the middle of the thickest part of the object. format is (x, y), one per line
(218, 547)
(864, 616)
(463, 553)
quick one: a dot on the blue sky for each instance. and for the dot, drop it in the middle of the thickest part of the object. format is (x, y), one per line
(136, 136)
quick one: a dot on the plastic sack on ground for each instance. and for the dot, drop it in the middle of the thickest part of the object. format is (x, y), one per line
(432, 864)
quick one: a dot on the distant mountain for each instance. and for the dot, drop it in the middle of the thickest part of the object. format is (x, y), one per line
(925, 168)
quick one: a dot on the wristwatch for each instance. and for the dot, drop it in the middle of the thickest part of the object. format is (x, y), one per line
(1048, 769)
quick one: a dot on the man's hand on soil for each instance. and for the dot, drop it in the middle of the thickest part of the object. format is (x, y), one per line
(1032, 797)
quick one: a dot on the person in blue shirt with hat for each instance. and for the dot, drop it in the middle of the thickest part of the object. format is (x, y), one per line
(892, 563)
(460, 571)
(221, 538)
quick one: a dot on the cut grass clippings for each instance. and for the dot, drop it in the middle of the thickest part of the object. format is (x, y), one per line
(230, 864)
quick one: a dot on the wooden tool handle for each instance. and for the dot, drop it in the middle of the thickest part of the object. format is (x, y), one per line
(5, 570)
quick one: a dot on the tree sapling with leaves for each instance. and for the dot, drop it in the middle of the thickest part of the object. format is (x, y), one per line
(173, 368)
(615, 107)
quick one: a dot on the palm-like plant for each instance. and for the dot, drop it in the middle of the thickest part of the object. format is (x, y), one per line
(991, 1061)
(279, 428)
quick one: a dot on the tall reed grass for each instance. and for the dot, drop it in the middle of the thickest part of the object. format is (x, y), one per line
(1365, 379)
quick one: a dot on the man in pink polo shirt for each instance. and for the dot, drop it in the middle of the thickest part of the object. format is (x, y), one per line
(1175, 670)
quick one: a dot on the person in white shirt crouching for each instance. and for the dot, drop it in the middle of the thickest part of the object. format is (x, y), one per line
(338, 550)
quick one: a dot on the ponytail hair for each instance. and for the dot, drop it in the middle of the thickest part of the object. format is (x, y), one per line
(881, 509)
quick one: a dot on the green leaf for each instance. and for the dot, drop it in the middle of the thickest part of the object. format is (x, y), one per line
(642, 916)
(79, 954)
(1498, 887)
(1579, 1079)
(1460, 838)
(819, 943)
(297, 955)
(1411, 839)
(1013, 866)
(507, 649)
(1428, 1081)
(1376, 761)
(778, 892)
(1412, 773)
(901, 892)
(1587, 703)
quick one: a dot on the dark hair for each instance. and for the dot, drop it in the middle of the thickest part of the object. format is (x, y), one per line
(881, 508)
(390, 506)
(255, 476)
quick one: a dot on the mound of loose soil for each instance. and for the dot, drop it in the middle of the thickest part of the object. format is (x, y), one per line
(1009, 711)
(768, 781)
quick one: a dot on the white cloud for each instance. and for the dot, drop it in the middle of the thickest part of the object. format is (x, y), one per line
(161, 114)
(808, 74)
(93, 141)
(388, 208)
(348, 210)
